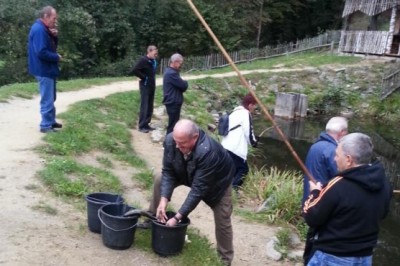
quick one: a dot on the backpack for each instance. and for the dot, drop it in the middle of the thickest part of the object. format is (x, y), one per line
(223, 125)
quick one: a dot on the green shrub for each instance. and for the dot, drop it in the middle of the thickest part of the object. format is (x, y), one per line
(280, 192)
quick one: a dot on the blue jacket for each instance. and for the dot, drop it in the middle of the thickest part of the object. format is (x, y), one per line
(320, 161)
(208, 171)
(42, 52)
(347, 212)
(173, 87)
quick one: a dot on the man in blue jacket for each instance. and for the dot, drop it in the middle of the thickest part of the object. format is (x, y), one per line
(43, 64)
(320, 159)
(346, 213)
(194, 159)
(173, 88)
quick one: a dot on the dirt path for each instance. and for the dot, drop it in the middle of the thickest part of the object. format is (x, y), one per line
(31, 237)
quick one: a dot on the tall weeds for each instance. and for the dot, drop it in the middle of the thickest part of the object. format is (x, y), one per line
(279, 193)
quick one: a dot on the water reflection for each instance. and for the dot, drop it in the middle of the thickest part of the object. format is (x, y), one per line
(302, 133)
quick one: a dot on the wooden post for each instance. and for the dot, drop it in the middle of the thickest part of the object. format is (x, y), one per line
(251, 91)
(389, 43)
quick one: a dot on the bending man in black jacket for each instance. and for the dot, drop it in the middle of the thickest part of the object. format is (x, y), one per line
(194, 159)
(346, 213)
(145, 69)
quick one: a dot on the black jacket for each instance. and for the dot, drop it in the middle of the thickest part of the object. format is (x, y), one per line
(346, 213)
(208, 171)
(145, 69)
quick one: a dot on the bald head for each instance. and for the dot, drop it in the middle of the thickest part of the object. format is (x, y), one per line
(186, 127)
(185, 135)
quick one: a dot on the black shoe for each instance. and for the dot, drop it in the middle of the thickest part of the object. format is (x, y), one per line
(150, 128)
(48, 130)
(143, 130)
(145, 225)
(56, 125)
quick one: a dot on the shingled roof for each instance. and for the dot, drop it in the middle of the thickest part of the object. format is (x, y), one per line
(369, 7)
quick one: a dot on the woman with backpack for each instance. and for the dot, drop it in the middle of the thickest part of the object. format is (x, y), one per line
(240, 135)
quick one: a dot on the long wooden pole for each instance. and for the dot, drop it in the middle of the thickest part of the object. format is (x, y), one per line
(251, 91)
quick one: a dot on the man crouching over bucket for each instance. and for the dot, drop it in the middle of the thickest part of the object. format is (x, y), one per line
(194, 159)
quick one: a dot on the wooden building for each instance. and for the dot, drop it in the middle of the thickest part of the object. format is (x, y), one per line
(371, 27)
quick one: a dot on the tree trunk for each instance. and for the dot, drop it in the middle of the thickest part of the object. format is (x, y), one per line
(259, 25)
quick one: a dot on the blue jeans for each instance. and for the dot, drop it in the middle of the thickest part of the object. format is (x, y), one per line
(324, 259)
(47, 89)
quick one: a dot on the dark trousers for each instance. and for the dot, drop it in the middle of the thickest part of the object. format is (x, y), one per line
(174, 113)
(146, 106)
(308, 249)
(242, 169)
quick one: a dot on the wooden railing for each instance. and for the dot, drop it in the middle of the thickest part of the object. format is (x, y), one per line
(217, 60)
(366, 42)
(390, 84)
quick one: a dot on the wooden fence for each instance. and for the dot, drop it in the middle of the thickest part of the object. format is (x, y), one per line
(390, 84)
(217, 60)
(366, 42)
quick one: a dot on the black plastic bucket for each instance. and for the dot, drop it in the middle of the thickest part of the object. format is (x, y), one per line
(167, 240)
(94, 202)
(117, 231)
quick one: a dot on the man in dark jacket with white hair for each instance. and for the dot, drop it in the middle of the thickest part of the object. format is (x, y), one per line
(194, 159)
(347, 211)
(173, 88)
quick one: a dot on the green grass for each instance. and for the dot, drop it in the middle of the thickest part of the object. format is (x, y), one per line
(100, 124)
(298, 60)
(197, 253)
(70, 179)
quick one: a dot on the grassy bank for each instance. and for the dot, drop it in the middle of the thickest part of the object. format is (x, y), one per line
(102, 127)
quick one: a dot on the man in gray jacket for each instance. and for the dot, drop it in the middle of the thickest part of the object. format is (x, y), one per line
(194, 159)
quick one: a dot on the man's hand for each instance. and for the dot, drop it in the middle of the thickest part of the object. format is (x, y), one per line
(174, 220)
(161, 210)
(54, 31)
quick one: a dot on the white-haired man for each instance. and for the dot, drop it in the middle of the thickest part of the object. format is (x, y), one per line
(173, 88)
(320, 159)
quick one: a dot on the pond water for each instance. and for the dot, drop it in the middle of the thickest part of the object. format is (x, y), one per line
(302, 133)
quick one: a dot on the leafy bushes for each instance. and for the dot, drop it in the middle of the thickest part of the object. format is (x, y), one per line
(14, 71)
